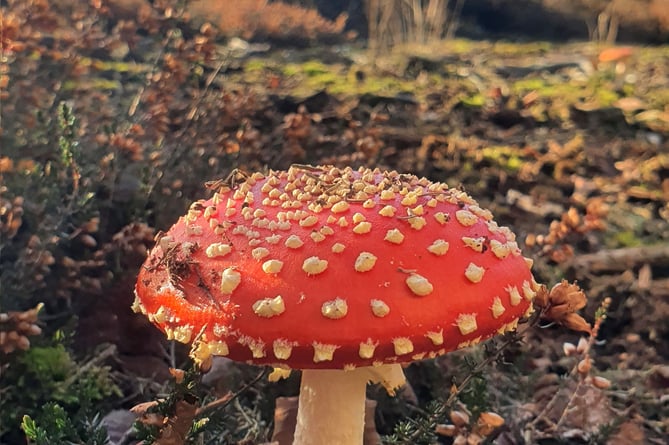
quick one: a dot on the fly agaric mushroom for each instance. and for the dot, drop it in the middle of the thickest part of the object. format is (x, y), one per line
(343, 274)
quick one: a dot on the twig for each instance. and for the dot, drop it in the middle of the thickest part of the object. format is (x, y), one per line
(457, 389)
(621, 259)
(102, 356)
(599, 319)
(224, 401)
(191, 117)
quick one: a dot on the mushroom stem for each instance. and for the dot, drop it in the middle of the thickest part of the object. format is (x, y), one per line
(331, 408)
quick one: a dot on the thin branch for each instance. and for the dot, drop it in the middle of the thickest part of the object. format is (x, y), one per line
(224, 401)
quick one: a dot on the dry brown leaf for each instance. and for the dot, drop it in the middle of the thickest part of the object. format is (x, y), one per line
(561, 303)
(628, 432)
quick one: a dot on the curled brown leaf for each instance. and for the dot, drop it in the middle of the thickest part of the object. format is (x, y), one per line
(561, 303)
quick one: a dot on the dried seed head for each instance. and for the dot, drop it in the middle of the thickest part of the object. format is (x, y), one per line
(601, 382)
(460, 419)
(488, 422)
(584, 366)
(561, 304)
(569, 349)
(446, 430)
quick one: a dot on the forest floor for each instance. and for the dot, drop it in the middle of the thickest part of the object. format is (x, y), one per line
(569, 151)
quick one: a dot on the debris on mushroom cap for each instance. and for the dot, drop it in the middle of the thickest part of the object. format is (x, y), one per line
(320, 267)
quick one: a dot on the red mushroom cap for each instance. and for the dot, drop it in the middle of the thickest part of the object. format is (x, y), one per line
(317, 267)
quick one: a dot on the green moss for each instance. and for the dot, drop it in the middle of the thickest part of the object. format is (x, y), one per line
(605, 97)
(92, 83)
(597, 89)
(530, 84)
(313, 68)
(313, 76)
(348, 85)
(477, 101)
(503, 156)
(116, 66)
(656, 55)
(460, 46)
(520, 49)
(628, 90)
(464, 46)
(323, 80)
(659, 99)
(626, 238)
(291, 69)
(254, 65)
(52, 363)
(45, 374)
(571, 92)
